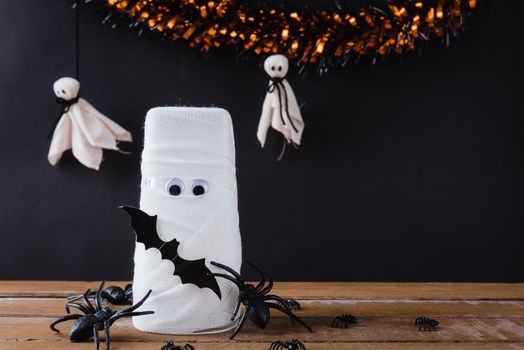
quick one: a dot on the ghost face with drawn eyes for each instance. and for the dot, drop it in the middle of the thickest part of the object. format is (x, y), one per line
(66, 88)
(276, 66)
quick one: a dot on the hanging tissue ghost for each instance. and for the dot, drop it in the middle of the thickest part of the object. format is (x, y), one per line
(82, 128)
(188, 217)
(280, 109)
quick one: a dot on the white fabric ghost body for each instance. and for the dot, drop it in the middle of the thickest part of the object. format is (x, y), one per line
(190, 145)
(83, 129)
(280, 109)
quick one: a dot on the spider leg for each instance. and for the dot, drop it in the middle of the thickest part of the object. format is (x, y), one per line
(238, 283)
(63, 319)
(124, 313)
(263, 280)
(96, 337)
(296, 305)
(269, 286)
(79, 296)
(264, 277)
(74, 297)
(275, 345)
(278, 299)
(131, 313)
(290, 314)
(237, 308)
(260, 285)
(78, 307)
(98, 298)
(87, 303)
(188, 347)
(137, 305)
(291, 304)
(106, 333)
(281, 302)
(240, 325)
(230, 270)
(301, 345)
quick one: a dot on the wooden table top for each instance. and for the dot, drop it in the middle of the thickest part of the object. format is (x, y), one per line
(471, 315)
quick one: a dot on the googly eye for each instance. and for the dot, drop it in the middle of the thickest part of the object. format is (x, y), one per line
(175, 186)
(199, 187)
(63, 91)
(272, 67)
(279, 68)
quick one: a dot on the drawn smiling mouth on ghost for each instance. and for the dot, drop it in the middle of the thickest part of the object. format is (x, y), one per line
(189, 271)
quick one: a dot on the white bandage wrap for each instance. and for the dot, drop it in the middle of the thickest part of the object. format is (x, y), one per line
(189, 144)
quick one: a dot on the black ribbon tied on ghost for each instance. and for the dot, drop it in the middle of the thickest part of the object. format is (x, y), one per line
(282, 97)
(66, 104)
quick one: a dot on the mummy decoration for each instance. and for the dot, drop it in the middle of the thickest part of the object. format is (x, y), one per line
(81, 128)
(189, 193)
(280, 109)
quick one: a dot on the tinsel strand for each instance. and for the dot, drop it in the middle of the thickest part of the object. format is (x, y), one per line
(322, 38)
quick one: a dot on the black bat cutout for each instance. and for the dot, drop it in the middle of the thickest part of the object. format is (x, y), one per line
(189, 271)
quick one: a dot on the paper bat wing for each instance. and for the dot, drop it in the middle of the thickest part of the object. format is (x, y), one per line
(197, 273)
(189, 271)
(144, 226)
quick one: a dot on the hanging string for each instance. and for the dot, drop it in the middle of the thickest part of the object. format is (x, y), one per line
(66, 104)
(77, 38)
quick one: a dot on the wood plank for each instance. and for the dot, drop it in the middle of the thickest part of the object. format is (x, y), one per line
(309, 290)
(472, 316)
(368, 330)
(48, 288)
(53, 307)
(264, 346)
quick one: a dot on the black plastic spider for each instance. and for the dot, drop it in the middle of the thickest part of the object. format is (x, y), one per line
(256, 299)
(291, 304)
(343, 321)
(113, 295)
(426, 323)
(95, 319)
(171, 346)
(293, 344)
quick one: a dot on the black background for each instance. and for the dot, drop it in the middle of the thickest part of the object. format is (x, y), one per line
(411, 170)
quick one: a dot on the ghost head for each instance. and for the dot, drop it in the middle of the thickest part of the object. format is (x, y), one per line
(189, 182)
(66, 88)
(276, 66)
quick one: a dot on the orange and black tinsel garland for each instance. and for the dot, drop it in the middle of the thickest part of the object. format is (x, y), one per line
(308, 37)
